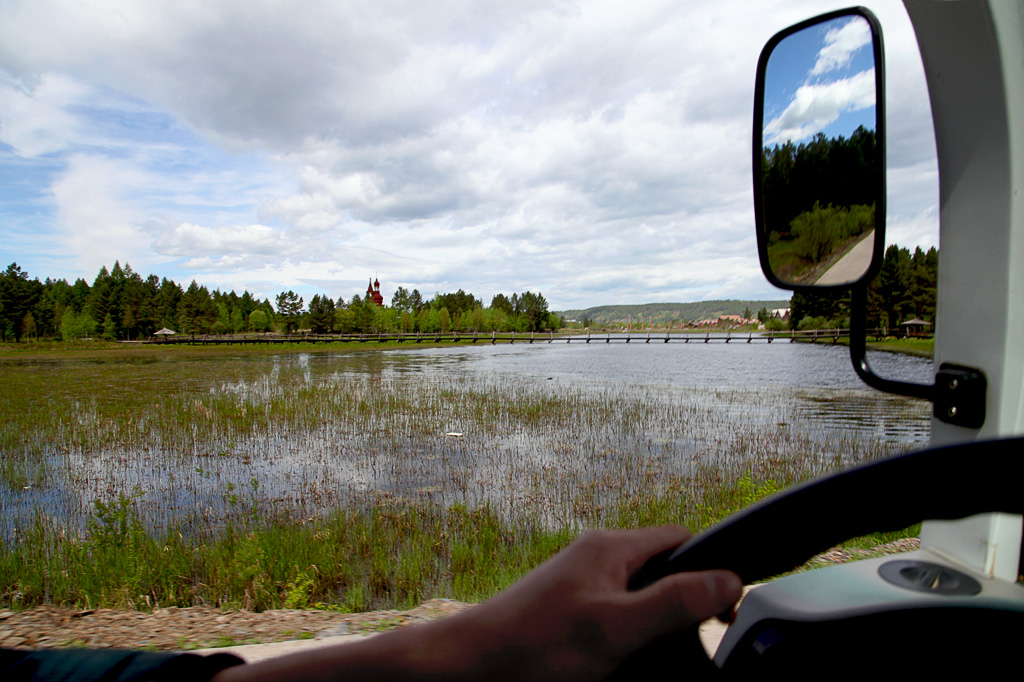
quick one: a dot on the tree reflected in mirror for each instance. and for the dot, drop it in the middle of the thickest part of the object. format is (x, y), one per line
(820, 206)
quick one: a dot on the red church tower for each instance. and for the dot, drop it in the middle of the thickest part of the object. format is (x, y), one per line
(373, 293)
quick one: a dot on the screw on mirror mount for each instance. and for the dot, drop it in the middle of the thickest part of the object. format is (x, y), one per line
(960, 396)
(958, 393)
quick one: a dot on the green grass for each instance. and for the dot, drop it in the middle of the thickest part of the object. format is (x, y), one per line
(924, 348)
(393, 556)
(787, 263)
(227, 640)
(63, 350)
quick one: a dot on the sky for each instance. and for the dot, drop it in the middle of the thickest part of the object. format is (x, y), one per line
(821, 79)
(595, 152)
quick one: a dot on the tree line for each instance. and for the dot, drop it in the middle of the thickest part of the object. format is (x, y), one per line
(905, 288)
(824, 171)
(410, 312)
(818, 198)
(121, 304)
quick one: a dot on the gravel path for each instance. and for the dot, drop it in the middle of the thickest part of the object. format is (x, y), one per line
(196, 627)
(199, 627)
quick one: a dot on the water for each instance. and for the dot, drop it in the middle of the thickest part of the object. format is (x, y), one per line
(198, 438)
(820, 375)
(659, 364)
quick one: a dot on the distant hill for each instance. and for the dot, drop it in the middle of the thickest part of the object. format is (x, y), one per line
(662, 313)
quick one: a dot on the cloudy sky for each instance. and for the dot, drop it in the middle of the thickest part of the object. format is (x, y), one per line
(597, 152)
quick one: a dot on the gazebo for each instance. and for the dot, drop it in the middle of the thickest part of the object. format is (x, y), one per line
(910, 325)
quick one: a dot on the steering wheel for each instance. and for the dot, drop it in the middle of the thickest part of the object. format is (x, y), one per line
(784, 531)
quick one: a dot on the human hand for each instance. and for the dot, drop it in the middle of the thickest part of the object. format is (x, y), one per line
(572, 618)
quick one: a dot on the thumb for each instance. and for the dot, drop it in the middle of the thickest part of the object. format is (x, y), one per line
(678, 601)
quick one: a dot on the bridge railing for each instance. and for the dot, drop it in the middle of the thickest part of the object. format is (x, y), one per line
(585, 336)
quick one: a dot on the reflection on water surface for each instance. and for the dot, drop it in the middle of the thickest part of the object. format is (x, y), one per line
(543, 426)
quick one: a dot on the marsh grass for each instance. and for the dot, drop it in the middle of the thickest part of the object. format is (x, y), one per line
(393, 555)
(307, 480)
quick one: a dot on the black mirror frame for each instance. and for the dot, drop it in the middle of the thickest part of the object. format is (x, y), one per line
(758, 145)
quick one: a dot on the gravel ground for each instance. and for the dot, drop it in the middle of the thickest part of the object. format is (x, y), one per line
(196, 627)
(199, 627)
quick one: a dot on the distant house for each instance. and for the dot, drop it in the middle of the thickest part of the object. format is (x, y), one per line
(373, 293)
(729, 320)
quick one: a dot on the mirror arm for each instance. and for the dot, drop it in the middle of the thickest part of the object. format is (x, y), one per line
(858, 353)
(958, 392)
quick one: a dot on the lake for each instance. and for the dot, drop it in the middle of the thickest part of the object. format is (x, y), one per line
(564, 430)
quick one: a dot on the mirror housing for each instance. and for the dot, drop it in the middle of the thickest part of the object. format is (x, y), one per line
(819, 184)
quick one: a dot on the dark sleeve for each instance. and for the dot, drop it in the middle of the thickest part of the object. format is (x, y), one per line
(109, 665)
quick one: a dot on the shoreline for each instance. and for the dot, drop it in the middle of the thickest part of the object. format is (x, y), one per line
(59, 350)
(921, 348)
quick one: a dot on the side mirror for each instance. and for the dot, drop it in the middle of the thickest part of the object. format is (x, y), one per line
(819, 152)
(819, 183)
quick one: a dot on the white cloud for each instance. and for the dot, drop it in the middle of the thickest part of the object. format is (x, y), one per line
(95, 225)
(596, 151)
(841, 44)
(309, 214)
(34, 117)
(186, 240)
(816, 105)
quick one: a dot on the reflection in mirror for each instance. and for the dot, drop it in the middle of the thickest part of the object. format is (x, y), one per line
(820, 162)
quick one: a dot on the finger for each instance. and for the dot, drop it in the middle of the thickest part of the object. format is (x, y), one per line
(679, 601)
(648, 542)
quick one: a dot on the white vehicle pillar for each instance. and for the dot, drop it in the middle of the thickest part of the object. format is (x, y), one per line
(973, 54)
